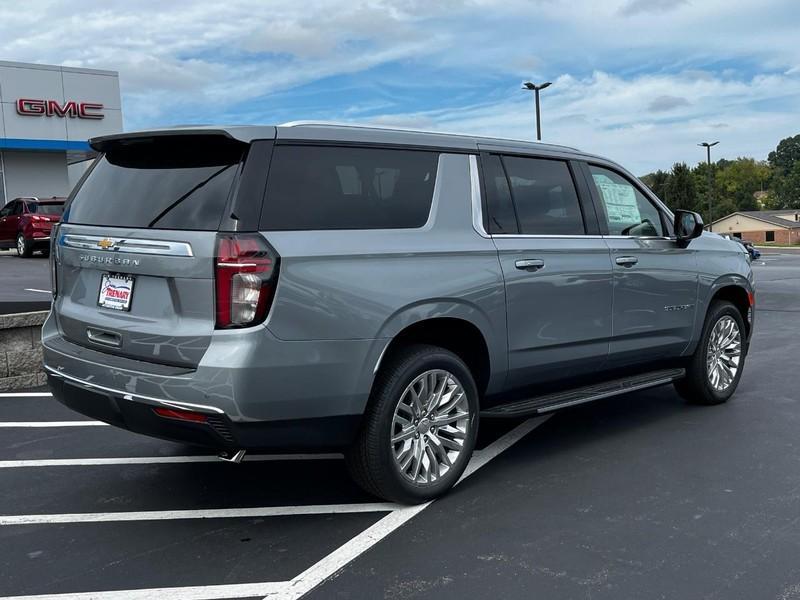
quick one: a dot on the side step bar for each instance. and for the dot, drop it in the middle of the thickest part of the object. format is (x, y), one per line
(548, 402)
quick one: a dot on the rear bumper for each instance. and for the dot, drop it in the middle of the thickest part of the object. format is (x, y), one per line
(258, 392)
(137, 414)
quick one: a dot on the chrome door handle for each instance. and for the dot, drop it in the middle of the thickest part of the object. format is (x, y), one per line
(626, 261)
(530, 264)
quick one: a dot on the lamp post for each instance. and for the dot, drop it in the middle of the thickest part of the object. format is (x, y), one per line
(707, 146)
(532, 87)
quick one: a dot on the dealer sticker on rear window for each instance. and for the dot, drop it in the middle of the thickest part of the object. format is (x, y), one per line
(116, 291)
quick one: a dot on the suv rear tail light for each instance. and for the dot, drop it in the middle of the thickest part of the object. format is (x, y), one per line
(54, 261)
(246, 272)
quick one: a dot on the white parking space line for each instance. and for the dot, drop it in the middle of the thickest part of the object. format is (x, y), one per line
(211, 513)
(203, 592)
(10, 424)
(338, 559)
(40, 291)
(155, 460)
(26, 395)
(305, 581)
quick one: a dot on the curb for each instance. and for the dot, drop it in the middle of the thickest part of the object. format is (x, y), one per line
(21, 351)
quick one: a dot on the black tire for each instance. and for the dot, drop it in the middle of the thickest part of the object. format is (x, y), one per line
(695, 387)
(24, 247)
(371, 461)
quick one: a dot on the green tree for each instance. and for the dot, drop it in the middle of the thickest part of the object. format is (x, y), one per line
(738, 181)
(787, 188)
(784, 157)
(680, 191)
(658, 182)
(785, 192)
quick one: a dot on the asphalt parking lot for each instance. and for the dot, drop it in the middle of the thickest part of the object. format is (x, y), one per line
(24, 283)
(639, 496)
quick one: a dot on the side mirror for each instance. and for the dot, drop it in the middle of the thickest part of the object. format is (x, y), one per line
(688, 225)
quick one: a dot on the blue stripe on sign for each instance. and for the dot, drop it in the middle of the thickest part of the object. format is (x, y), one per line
(23, 144)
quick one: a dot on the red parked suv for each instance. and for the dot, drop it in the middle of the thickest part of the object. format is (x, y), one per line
(25, 223)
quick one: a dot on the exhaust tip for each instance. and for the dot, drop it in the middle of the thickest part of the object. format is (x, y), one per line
(235, 457)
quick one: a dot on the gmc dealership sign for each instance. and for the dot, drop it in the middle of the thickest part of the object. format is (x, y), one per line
(53, 108)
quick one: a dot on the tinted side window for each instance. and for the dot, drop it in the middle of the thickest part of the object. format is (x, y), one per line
(7, 209)
(544, 195)
(626, 210)
(499, 206)
(329, 187)
(19, 208)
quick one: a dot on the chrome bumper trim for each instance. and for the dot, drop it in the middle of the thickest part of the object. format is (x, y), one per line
(137, 397)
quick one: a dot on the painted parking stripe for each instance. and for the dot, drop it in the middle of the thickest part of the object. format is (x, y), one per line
(220, 592)
(40, 291)
(9, 424)
(26, 395)
(322, 570)
(213, 513)
(338, 559)
(155, 460)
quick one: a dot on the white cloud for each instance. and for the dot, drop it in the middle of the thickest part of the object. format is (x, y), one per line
(637, 79)
(610, 115)
(635, 7)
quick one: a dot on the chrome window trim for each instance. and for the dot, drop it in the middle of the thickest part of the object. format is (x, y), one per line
(477, 218)
(127, 245)
(546, 236)
(475, 197)
(136, 397)
(580, 237)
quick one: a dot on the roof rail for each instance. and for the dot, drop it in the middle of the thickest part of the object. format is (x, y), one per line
(312, 123)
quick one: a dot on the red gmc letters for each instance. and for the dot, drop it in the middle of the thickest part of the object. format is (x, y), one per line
(52, 108)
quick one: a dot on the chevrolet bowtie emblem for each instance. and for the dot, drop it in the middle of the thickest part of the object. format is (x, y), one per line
(105, 243)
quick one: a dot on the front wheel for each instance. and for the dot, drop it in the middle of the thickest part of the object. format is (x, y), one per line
(715, 368)
(420, 427)
(24, 247)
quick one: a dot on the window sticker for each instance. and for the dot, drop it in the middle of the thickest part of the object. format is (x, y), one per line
(620, 200)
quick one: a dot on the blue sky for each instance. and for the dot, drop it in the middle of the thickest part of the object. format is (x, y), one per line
(641, 81)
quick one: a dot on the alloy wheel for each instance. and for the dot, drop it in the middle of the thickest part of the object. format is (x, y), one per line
(430, 425)
(724, 353)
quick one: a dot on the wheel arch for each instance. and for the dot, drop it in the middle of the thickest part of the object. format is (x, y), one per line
(458, 326)
(737, 290)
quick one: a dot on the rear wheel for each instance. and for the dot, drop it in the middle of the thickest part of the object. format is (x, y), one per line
(420, 427)
(715, 369)
(24, 247)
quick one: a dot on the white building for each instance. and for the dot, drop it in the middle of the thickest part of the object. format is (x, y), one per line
(47, 114)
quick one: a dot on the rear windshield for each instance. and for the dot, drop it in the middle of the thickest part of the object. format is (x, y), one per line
(329, 187)
(175, 182)
(46, 208)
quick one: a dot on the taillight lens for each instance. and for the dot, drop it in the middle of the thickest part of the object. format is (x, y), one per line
(54, 261)
(246, 271)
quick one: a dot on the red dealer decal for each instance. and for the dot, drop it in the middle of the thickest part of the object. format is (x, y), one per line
(52, 108)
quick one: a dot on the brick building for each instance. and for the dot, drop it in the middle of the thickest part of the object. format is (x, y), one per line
(762, 226)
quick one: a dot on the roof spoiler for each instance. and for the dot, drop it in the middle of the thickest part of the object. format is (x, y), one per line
(245, 134)
(101, 143)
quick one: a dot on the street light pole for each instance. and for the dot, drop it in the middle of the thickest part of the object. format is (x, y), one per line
(532, 87)
(707, 146)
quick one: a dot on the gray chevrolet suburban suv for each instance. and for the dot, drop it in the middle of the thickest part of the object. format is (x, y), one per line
(309, 287)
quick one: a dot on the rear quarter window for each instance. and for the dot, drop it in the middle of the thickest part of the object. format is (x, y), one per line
(332, 187)
(172, 182)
